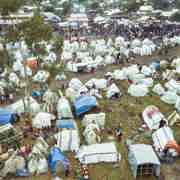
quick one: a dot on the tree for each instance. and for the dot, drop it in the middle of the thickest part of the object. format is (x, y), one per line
(58, 46)
(35, 30)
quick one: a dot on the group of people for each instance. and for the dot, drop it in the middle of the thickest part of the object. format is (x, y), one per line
(152, 29)
(6, 98)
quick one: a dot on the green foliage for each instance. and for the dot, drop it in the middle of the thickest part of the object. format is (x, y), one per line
(8, 6)
(35, 31)
(176, 17)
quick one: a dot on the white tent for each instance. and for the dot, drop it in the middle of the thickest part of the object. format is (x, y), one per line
(138, 90)
(64, 108)
(96, 153)
(98, 118)
(140, 156)
(112, 90)
(152, 117)
(162, 137)
(42, 120)
(68, 138)
(23, 105)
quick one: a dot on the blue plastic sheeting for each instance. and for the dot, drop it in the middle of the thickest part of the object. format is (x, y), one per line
(84, 104)
(68, 124)
(156, 65)
(54, 157)
(6, 116)
(36, 94)
(22, 173)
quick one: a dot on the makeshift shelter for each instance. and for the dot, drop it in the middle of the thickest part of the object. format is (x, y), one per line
(169, 97)
(96, 153)
(41, 76)
(68, 137)
(98, 118)
(64, 108)
(42, 120)
(6, 116)
(55, 158)
(138, 90)
(158, 89)
(91, 134)
(161, 138)
(113, 91)
(84, 103)
(28, 104)
(143, 160)
(152, 117)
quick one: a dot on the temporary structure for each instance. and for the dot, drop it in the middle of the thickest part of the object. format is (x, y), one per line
(42, 120)
(96, 153)
(68, 136)
(143, 160)
(23, 105)
(6, 116)
(64, 108)
(152, 117)
(84, 103)
(55, 158)
(161, 137)
(98, 118)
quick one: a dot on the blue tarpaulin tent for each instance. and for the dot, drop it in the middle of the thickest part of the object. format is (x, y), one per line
(56, 156)
(84, 103)
(6, 116)
(64, 123)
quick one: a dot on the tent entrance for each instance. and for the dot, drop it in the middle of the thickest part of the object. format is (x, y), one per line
(145, 170)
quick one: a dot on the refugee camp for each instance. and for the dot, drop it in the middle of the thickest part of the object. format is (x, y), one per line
(89, 89)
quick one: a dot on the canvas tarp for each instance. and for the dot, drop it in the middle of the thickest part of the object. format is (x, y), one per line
(31, 105)
(42, 120)
(161, 137)
(84, 103)
(6, 116)
(152, 117)
(98, 118)
(138, 90)
(96, 153)
(64, 108)
(140, 154)
(56, 156)
(169, 97)
(68, 139)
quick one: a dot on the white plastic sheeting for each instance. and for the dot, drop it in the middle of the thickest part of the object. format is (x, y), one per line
(152, 117)
(64, 108)
(173, 85)
(138, 90)
(161, 137)
(158, 89)
(98, 118)
(75, 84)
(14, 79)
(169, 97)
(42, 120)
(30, 104)
(96, 153)
(41, 76)
(112, 90)
(68, 139)
(90, 134)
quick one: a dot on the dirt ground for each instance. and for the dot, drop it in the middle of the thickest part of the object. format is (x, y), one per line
(127, 111)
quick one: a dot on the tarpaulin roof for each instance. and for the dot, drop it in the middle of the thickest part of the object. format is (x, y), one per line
(64, 123)
(55, 156)
(6, 116)
(84, 103)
